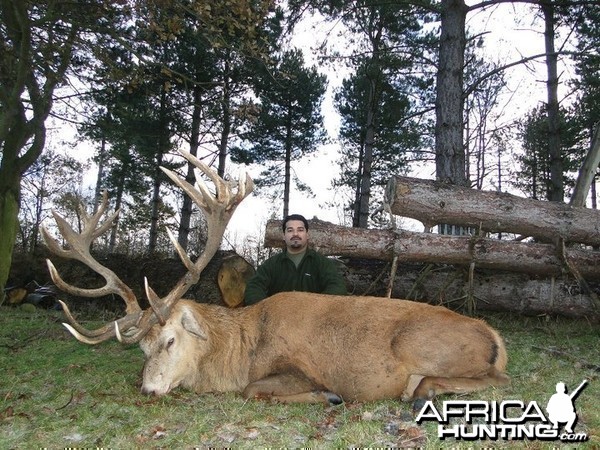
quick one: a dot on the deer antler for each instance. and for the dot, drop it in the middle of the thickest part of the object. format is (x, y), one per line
(218, 209)
(79, 249)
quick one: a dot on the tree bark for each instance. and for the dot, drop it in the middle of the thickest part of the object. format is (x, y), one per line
(481, 291)
(361, 218)
(162, 145)
(9, 210)
(183, 233)
(100, 176)
(29, 80)
(449, 103)
(556, 190)
(433, 202)
(226, 110)
(287, 177)
(120, 185)
(462, 286)
(411, 247)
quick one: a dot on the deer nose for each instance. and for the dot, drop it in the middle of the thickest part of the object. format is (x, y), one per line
(155, 389)
(148, 391)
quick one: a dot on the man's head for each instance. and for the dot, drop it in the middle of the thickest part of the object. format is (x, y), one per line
(295, 233)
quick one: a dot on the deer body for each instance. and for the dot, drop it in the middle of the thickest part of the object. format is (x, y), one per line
(293, 346)
(305, 347)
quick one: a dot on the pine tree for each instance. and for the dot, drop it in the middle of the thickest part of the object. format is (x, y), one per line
(289, 124)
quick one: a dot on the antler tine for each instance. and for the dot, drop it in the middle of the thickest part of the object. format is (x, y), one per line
(187, 262)
(79, 249)
(245, 186)
(154, 301)
(222, 189)
(218, 209)
(102, 334)
(194, 194)
(112, 286)
(82, 334)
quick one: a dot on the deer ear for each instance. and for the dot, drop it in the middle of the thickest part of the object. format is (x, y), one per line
(192, 325)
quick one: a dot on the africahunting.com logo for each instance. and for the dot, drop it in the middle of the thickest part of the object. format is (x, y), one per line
(509, 419)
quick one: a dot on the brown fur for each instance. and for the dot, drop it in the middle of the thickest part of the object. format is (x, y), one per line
(315, 348)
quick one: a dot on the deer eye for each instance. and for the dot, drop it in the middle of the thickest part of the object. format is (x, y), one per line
(170, 342)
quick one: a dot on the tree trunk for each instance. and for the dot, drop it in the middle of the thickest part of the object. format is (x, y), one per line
(120, 187)
(411, 247)
(226, 130)
(556, 190)
(449, 103)
(15, 133)
(155, 204)
(433, 202)
(161, 149)
(587, 171)
(31, 68)
(287, 177)
(183, 234)
(359, 171)
(100, 176)
(364, 199)
(373, 75)
(9, 211)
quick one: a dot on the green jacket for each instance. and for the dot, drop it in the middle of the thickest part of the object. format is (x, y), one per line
(315, 273)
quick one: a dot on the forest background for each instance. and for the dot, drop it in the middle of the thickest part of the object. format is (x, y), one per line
(413, 87)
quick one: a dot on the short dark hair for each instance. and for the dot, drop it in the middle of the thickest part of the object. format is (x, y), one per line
(294, 217)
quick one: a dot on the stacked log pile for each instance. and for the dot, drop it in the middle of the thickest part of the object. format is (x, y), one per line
(548, 266)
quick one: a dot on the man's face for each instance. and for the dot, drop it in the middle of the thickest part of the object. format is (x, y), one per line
(295, 236)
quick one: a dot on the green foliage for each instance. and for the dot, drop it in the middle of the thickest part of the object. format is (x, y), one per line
(56, 392)
(169, 61)
(289, 123)
(289, 95)
(396, 137)
(40, 41)
(534, 176)
(586, 109)
(379, 121)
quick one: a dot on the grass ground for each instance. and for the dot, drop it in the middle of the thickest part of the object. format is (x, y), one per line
(57, 393)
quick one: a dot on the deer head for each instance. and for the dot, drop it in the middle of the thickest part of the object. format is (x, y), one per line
(218, 209)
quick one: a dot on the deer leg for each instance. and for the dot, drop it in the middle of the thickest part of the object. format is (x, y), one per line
(289, 388)
(429, 387)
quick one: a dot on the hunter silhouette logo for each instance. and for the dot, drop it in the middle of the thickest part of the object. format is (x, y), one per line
(561, 407)
(508, 419)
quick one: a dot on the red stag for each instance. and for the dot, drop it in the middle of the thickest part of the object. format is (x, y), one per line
(292, 347)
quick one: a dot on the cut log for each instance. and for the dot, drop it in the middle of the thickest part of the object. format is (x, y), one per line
(232, 277)
(434, 203)
(501, 289)
(485, 291)
(485, 253)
